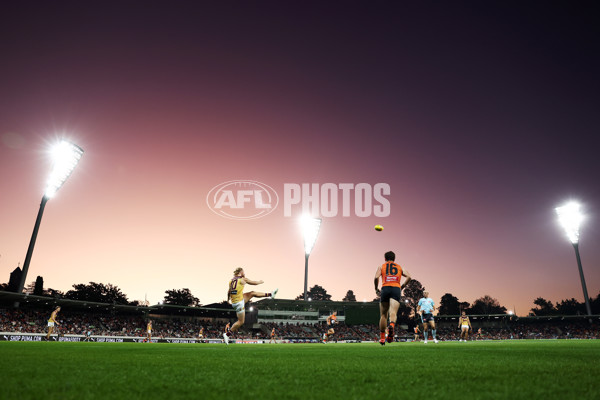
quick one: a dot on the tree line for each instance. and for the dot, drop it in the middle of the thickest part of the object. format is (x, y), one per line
(104, 293)
(449, 304)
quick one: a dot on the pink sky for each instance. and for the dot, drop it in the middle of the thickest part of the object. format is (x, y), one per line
(476, 161)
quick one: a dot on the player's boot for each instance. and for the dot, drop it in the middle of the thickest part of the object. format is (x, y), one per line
(435, 340)
(274, 293)
(382, 339)
(390, 334)
(226, 338)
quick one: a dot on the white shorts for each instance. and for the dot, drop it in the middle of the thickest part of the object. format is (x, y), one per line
(239, 306)
(465, 326)
(50, 324)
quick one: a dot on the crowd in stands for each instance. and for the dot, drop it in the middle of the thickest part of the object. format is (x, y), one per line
(81, 323)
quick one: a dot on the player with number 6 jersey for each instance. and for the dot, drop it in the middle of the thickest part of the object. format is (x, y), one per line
(391, 275)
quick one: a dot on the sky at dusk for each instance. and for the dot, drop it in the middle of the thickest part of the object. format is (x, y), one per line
(482, 117)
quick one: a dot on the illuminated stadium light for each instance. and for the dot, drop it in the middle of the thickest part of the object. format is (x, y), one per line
(570, 219)
(310, 231)
(65, 157)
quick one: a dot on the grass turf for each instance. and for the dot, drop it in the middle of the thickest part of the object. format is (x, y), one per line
(546, 370)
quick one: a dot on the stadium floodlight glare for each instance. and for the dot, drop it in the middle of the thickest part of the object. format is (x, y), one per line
(65, 156)
(570, 218)
(310, 231)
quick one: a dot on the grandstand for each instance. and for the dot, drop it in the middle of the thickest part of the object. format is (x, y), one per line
(294, 321)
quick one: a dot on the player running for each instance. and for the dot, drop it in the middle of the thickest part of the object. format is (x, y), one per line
(238, 298)
(391, 274)
(417, 333)
(464, 324)
(273, 340)
(52, 322)
(331, 321)
(426, 307)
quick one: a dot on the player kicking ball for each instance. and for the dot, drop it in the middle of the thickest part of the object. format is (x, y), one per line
(238, 299)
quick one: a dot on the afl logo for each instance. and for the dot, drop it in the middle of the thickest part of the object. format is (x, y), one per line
(242, 199)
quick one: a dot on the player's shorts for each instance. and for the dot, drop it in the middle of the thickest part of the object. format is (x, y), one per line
(464, 326)
(239, 306)
(50, 324)
(390, 292)
(427, 317)
(149, 331)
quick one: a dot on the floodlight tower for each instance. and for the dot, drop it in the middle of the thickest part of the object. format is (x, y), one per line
(310, 230)
(570, 218)
(65, 156)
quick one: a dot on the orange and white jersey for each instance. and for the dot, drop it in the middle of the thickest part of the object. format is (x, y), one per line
(391, 273)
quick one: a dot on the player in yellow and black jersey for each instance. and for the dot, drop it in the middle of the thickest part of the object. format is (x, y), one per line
(465, 325)
(238, 298)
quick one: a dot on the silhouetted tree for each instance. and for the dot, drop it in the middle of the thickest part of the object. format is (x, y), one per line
(413, 292)
(15, 279)
(570, 307)
(181, 297)
(544, 307)
(317, 293)
(487, 305)
(97, 292)
(35, 287)
(349, 296)
(595, 304)
(449, 305)
(38, 289)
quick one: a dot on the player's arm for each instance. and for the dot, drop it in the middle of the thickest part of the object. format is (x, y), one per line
(376, 280)
(251, 282)
(408, 278)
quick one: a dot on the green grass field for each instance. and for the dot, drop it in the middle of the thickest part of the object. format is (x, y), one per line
(475, 370)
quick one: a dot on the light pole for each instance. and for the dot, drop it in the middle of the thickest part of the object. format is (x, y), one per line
(570, 218)
(310, 230)
(65, 157)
